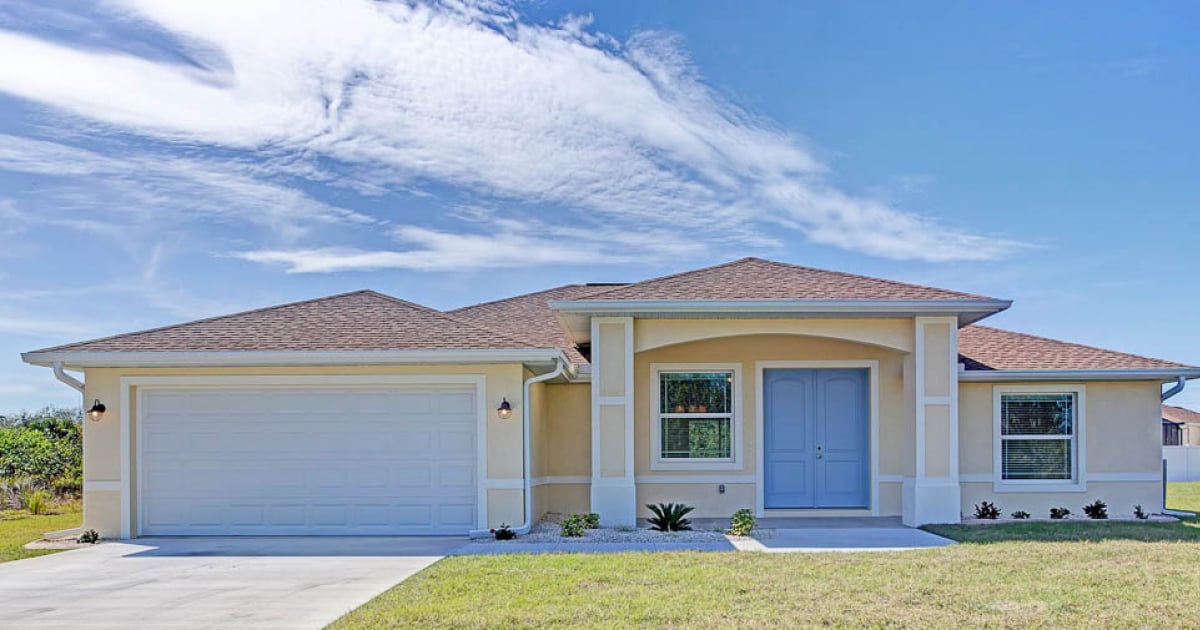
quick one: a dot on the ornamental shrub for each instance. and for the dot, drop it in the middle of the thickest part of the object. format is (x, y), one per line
(742, 522)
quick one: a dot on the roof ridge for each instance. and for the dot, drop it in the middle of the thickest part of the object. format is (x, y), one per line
(790, 266)
(676, 275)
(513, 297)
(214, 318)
(1076, 344)
(418, 308)
(860, 276)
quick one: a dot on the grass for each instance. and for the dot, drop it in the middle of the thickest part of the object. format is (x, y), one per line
(19, 527)
(1075, 574)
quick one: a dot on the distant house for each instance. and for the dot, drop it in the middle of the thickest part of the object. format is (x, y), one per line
(1180, 427)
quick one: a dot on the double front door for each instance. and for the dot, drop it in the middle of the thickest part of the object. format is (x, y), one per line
(815, 438)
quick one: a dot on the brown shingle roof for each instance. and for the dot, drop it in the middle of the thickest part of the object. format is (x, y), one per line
(362, 320)
(529, 317)
(758, 279)
(1179, 414)
(984, 348)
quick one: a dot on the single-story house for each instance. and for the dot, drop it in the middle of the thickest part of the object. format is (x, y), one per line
(1185, 426)
(754, 384)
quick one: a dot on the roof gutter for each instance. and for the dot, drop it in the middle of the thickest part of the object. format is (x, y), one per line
(526, 452)
(271, 358)
(1180, 383)
(1166, 374)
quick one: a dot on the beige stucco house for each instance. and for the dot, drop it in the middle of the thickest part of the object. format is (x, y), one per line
(754, 384)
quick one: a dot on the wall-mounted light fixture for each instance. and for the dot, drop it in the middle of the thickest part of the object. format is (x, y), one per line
(504, 411)
(96, 413)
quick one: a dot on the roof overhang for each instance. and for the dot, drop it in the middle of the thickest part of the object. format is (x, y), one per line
(535, 358)
(575, 314)
(1000, 376)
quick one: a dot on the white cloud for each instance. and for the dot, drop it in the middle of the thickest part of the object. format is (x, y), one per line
(625, 136)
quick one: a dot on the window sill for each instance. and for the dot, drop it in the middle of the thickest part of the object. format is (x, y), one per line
(661, 464)
(1003, 487)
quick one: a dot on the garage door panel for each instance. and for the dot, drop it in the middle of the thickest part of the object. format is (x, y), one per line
(282, 461)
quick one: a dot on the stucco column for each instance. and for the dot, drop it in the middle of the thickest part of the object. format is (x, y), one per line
(933, 495)
(614, 496)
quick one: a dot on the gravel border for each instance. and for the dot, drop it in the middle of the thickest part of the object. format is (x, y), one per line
(547, 531)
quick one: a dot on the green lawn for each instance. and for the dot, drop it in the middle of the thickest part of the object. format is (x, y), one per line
(1014, 576)
(18, 528)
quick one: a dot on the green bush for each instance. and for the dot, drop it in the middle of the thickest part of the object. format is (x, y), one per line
(1059, 514)
(36, 500)
(742, 522)
(1097, 510)
(574, 526)
(1139, 513)
(1021, 515)
(987, 511)
(591, 520)
(43, 452)
(669, 517)
(90, 537)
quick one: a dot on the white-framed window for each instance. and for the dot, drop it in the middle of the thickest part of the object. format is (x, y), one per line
(695, 417)
(1038, 438)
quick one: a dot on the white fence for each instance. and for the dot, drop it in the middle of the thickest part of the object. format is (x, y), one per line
(1183, 463)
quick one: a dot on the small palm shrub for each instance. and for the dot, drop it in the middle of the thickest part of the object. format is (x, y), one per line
(669, 517)
(1059, 514)
(90, 537)
(1140, 514)
(1021, 515)
(574, 526)
(742, 522)
(987, 511)
(1097, 510)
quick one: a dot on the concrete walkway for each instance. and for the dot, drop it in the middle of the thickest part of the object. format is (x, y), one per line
(279, 582)
(817, 539)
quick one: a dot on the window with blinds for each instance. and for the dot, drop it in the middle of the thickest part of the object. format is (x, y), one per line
(1037, 436)
(695, 415)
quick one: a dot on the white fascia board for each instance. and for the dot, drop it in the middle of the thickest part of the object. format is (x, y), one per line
(292, 358)
(995, 376)
(922, 307)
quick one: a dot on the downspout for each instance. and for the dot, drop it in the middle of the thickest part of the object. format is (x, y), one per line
(1180, 383)
(71, 381)
(526, 452)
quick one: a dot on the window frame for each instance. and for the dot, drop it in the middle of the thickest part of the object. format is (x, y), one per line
(734, 461)
(1078, 482)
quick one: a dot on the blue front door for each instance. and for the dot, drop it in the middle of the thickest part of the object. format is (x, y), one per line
(815, 438)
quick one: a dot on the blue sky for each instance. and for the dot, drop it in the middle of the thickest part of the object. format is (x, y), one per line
(160, 162)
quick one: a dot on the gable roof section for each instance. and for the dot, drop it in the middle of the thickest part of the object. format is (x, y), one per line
(1180, 415)
(758, 279)
(362, 320)
(529, 317)
(982, 348)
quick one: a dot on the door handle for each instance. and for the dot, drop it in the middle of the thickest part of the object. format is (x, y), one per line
(820, 454)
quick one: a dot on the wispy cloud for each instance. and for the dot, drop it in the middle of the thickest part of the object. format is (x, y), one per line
(623, 135)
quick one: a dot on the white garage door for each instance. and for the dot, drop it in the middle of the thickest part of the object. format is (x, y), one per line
(335, 461)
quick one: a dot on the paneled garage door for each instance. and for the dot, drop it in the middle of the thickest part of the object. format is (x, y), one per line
(303, 461)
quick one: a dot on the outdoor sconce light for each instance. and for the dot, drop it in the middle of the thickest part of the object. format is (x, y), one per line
(96, 413)
(504, 411)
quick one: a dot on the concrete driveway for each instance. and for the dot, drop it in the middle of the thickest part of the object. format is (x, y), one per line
(278, 582)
